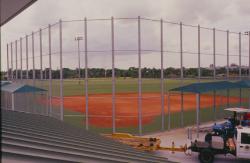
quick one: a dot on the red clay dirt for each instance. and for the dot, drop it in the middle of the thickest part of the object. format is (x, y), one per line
(126, 106)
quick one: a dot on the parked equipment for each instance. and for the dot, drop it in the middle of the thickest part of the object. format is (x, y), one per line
(231, 137)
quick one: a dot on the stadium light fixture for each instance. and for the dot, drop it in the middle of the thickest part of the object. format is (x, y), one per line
(78, 38)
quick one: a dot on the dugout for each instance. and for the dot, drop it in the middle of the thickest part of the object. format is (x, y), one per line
(199, 88)
(24, 98)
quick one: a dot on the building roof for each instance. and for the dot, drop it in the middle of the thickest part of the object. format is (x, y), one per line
(238, 110)
(207, 87)
(20, 88)
(244, 83)
(11, 8)
(5, 83)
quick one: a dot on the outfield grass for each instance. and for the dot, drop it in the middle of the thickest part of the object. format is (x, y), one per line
(130, 85)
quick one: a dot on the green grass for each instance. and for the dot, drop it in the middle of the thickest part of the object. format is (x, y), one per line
(130, 85)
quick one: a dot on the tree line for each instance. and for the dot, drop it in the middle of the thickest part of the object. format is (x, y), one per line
(130, 72)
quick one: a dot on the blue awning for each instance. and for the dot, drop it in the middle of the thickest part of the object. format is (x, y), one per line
(20, 88)
(3, 83)
(207, 87)
(244, 83)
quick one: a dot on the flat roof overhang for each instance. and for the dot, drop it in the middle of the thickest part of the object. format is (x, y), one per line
(11, 8)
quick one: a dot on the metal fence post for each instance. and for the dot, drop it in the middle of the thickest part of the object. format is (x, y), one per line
(182, 75)
(33, 59)
(61, 70)
(197, 114)
(199, 55)
(16, 61)
(41, 54)
(113, 76)
(162, 81)
(214, 53)
(228, 91)
(50, 73)
(214, 67)
(27, 58)
(11, 53)
(139, 78)
(21, 60)
(199, 80)
(249, 56)
(249, 63)
(240, 74)
(169, 116)
(86, 74)
(8, 75)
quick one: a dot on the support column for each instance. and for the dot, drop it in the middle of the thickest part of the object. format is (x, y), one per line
(162, 81)
(11, 53)
(240, 74)
(139, 78)
(182, 75)
(61, 71)
(199, 55)
(13, 101)
(228, 91)
(27, 58)
(169, 113)
(197, 114)
(113, 76)
(8, 75)
(214, 105)
(41, 54)
(214, 53)
(50, 73)
(214, 67)
(21, 60)
(86, 74)
(16, 61)
(33, 59)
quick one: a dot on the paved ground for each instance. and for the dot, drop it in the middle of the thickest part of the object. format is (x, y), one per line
(179, 136)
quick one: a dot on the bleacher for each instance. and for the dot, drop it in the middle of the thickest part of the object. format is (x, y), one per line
(37, 138)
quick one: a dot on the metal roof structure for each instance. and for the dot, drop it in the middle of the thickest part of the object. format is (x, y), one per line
(207, 87)
(20, 88)
(244, 83)
(238, 110)
(37, 138)
(3, 83)
(11, 8)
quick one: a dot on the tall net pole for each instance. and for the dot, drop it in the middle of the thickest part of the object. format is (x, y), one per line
(21, 60)
(182, 74)
(61, 71)
(139, 78)
(27, 57)
(41, 54)
(16, 61)
(228, 75)
(33, 59)
(240, 74)
(50, 73)
(86, 74)
(113, 75)
(8, 75)
(214, 75)
(162, 81)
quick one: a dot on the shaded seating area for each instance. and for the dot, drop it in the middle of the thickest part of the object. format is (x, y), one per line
(38, 138)
(199, 88)
(24, 98)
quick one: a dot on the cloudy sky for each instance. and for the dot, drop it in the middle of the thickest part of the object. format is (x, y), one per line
(233, 15)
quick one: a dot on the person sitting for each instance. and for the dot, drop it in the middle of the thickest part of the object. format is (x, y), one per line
(246, 120)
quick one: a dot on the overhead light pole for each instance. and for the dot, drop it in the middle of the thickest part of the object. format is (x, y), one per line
(78, 38)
